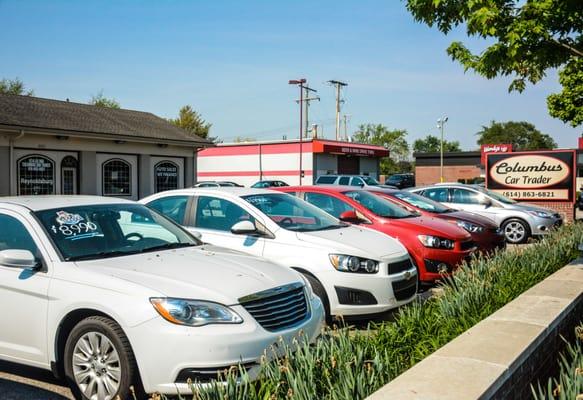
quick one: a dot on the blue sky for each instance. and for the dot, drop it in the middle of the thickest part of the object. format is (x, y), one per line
(231, 61)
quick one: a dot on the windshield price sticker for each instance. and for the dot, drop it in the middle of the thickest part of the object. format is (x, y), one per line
(74, 226)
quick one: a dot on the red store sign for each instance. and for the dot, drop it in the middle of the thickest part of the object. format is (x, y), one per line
(494, 148)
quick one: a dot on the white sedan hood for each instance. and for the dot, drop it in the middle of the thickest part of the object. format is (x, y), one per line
(204, 273)
(357, 241)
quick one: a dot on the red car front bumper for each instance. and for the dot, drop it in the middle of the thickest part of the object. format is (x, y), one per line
(434, 264)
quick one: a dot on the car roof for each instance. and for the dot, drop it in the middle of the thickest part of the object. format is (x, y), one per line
(324, 188)
(232, 190)
(446, 185)
(47, 202)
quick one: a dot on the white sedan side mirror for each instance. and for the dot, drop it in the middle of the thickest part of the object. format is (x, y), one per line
(18, 259)
(244, 228)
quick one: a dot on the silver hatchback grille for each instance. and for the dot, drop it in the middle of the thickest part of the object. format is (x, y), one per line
(278, 308)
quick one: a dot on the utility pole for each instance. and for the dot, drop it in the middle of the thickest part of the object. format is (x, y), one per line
(346, 118)
(440, 123)
(339, 85)
(300, 83)
(307, 101)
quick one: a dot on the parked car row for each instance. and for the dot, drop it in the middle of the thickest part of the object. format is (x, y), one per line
(190, 282)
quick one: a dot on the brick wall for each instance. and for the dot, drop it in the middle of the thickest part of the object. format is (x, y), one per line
(428, 175)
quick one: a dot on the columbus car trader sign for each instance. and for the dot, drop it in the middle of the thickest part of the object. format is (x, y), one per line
(537, 175)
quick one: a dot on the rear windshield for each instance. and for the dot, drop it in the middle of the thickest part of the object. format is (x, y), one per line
(326, 179)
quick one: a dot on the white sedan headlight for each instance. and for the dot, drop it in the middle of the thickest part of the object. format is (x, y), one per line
(194, 312)
(347, 263)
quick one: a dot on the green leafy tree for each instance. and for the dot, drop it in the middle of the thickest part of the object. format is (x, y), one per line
(393, 140)
(522, 135)
(14, 86)
(192, 122)
(432, 144)
(100, 100)
(525, 39)
(568, 105)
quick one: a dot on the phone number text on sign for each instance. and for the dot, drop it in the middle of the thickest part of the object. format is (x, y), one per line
(559, 194)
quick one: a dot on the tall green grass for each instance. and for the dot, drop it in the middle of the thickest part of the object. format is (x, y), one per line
(347, 364)
(569, 385)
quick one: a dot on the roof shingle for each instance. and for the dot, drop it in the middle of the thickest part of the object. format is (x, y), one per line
(39, 113)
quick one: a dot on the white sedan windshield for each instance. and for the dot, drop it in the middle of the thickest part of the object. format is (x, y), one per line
(293, 214)
(112, 230)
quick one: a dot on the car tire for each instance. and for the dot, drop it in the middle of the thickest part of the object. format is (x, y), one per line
(516, 231)
(321, 293)
(88, 373)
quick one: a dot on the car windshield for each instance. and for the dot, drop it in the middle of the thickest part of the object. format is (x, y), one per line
(293, 214)
(101, 231)
(377, 205)
(421, 202)
(370, 181)
(496, 196)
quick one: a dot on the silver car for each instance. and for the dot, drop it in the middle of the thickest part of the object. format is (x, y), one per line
(519, 221)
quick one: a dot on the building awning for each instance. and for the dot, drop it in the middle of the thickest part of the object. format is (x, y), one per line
(357, 149)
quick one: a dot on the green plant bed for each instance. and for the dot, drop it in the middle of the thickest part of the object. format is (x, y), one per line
(345, 364)
(569, 384)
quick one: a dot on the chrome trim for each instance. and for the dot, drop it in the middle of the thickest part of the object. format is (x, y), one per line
(271, 292)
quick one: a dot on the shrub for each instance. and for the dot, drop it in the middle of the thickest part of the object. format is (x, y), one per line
(346, 364)
(569, 386)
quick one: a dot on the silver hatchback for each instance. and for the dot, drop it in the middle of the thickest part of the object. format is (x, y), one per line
(519, 221)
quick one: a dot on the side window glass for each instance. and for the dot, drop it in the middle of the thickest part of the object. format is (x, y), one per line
(15, 236)
(329, 204)
(344, 180)
(173, 207)
(437, 194)
(463, 196)
(219, 214)
(356, 182)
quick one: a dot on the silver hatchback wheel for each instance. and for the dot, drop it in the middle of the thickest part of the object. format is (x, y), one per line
(515, 232)
(96, 366)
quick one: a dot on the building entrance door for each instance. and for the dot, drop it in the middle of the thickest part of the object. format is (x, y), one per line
(69, 177)
(348, 165)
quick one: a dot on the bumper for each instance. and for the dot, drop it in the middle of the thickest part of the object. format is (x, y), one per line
(428, 259)
(163, 349)
(542, 226)
(489, 241)
(387, 290)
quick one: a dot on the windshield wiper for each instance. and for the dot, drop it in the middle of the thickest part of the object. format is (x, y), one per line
(102, 254)
(167, 246)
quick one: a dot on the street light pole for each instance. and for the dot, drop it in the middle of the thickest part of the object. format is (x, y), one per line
(300, 83)
(440, 123)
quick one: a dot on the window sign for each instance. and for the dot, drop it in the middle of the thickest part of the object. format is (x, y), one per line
(36, 175)
(166, 175)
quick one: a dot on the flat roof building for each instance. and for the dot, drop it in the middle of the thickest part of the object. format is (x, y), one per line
(247, 163)
(59, 147)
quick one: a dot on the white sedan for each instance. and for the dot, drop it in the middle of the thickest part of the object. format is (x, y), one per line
(108, 293)
(355, 270)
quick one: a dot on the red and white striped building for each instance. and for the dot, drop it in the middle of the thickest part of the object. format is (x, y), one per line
(247, 163)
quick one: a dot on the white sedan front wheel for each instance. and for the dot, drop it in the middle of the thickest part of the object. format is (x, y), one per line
(99, 362)
(516, 231)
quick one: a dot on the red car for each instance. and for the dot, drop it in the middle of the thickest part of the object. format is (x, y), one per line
(436, 246)
(487, 235)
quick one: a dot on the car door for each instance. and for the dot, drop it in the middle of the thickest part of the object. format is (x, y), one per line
(468, 200)
(23, 295)
(213, 218)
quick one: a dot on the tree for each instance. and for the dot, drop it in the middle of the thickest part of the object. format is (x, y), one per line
(432, 144)
(392, 140)
(525, 39)
(14, 86)
(522, 135)
(100, 100)
(192, 122)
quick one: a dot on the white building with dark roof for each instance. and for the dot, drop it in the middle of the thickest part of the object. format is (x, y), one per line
(59, 147)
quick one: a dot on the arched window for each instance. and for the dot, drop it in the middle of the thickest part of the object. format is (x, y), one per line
(69, 168)
(166, 176)
(117, 178)
(36, 175)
